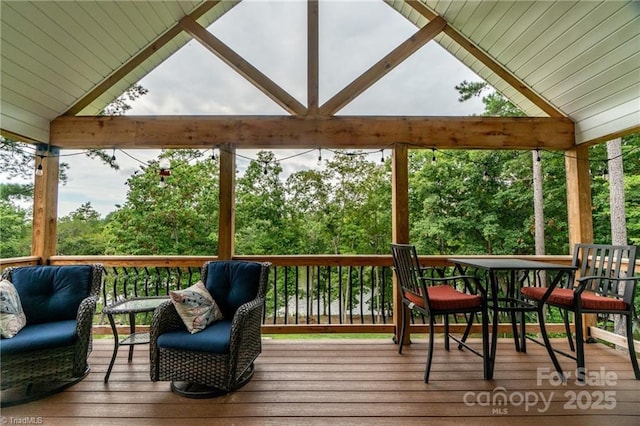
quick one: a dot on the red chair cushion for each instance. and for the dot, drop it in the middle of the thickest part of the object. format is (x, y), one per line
(564, 297)
(446, 298)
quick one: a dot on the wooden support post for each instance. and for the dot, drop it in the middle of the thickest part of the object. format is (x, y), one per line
(579, 206)
(45, 203)
(400, 219)
(226, 224)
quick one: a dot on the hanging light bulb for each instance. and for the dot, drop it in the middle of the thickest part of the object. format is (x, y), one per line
(433, 155)
(113, 157)
(165, 170)
(538, 155)
(39, 170)
(213, 154)
(319, 157)
(382, 156)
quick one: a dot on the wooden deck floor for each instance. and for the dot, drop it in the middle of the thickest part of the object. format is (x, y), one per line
(354, 382)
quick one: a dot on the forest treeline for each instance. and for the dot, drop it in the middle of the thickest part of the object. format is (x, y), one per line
(460, 202)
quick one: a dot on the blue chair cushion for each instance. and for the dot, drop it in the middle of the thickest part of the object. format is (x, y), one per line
(213, 339)
(232, 284)
(40, 336)
(52, 293)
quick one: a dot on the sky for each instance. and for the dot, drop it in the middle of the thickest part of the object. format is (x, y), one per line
(271, 35)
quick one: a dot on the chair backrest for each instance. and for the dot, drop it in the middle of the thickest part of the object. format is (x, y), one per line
(605, 262)
(54, 293)
(233, 283)
(408, 272)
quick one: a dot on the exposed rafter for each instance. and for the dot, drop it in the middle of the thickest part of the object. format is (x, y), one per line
(313, 58)
(134, 62)
(243, 67)
(487, 61)
(382, 67)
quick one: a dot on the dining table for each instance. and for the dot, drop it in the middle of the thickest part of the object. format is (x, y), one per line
(503, 278)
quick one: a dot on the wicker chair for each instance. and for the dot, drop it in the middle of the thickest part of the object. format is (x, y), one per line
(50, 353)
(218, 359)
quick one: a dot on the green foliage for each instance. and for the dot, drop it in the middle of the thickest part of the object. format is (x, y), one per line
(15, 230)
(180, 218)
(81, 232)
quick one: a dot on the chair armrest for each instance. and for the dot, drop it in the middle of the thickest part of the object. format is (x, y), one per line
(583, 281)
(165, 318)
(84, 331)
(246, 324)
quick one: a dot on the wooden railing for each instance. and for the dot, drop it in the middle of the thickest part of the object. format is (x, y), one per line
(306, 294)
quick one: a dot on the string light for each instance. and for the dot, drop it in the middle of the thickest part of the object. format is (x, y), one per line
(113, 157)
(213, 154)
(319, 157)
(39, 171)
(165, 171)
(382, 156)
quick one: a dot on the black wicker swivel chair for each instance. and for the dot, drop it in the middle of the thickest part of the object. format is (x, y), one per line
(218, 359)
(50, 352)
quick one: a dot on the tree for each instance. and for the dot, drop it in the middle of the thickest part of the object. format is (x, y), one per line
(17, 158)
(15, 230)
(81, 232)
(497, 105)
(179, 218)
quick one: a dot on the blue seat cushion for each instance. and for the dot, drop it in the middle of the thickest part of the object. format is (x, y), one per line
(213, 339)
(40, 336)
(51, 293)
(232, 284)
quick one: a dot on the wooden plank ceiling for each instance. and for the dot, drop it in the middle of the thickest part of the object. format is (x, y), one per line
(575, 61)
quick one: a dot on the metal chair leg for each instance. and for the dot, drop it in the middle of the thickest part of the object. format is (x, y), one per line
(565, 317)
(630, 345)
(402, 328)
(579, 347)
(430, 353)
(446, 332)
(466, 331)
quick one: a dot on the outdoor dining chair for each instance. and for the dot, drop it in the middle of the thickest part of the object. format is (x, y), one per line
(439, 296)
(605, 286)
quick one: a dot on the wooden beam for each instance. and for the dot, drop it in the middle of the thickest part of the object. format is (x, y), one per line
(45, 203)
(272, 132)
(382, 67)
(134, 62)
(487, 61)
(243, 67)
(227, 209)
(313, 61)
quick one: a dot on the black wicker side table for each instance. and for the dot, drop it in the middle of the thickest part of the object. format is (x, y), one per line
(130, 307)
